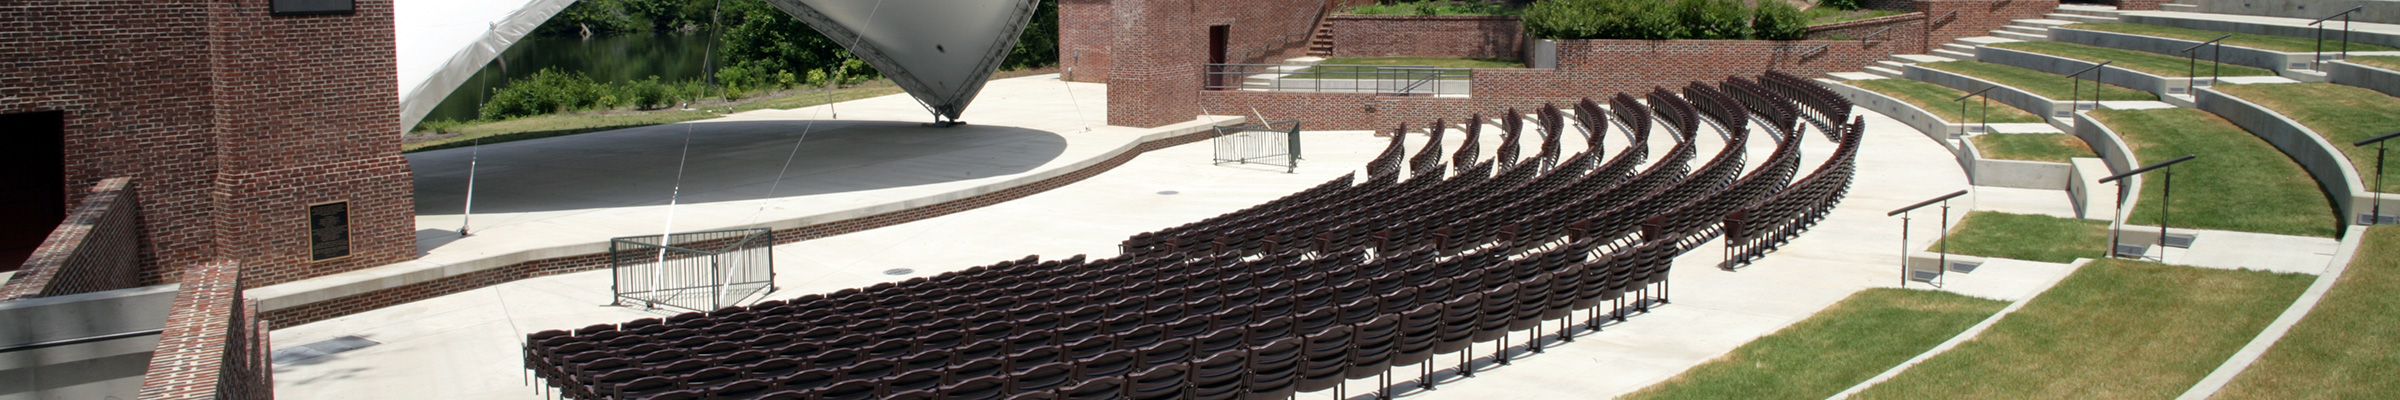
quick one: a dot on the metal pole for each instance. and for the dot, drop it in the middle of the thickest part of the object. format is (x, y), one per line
(2376, 216)
(1987, 114)
(1903, 250)
(2113, 222)
(2216, 66)
(2166, 192)
(1942, 266)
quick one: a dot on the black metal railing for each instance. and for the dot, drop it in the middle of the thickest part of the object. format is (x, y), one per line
(1378, 79)
(2191, 65)
(696, 271)
(2320, 24)
(1274, 143)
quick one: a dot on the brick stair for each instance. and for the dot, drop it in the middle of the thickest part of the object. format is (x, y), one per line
(1321, 43)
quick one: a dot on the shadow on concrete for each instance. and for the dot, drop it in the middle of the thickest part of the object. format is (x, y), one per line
(729, 161)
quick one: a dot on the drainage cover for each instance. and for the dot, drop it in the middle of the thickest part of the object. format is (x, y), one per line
(327, 347)
(1169, 192)
(899, 271)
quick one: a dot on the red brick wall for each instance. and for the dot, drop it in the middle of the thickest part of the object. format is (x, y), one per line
(1975, 17)
(1084, 28)
(233, 120)
(97, 248)
(353, 304)
(306, 115)
(214, 346)
(2138, 5)
(1455, 36)
(1908, 30)
(1158, 47)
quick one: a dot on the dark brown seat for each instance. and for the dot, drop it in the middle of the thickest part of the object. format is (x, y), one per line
(984, 388)
(1114, 363)
(1165, 382)
(1095, 389)
(1166, 352)
(1041, 378)
(806, 380)
(1217, 376)
(851, 390)
(1328, 356)
(979, 368)
(744, 389)
(1033, 357)
(1372, 352)
(1420, 331)
(924, 379)
(1274, 369)
(874, 369)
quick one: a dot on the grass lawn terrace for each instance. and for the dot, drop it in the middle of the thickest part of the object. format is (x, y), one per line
(1936, 99)
(2342, 114)
(2048, 85)
(2026, 237)
(2285, 44)
(2239, 183)
(2346, 348)
(1861, 336)
(2115, 329)
(2044, 147)
(2147, 62)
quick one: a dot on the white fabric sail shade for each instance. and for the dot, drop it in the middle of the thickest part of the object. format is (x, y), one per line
(940, 51)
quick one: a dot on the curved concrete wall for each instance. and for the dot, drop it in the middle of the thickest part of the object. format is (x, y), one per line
(2062, 66)
(2013, 173)
(2281, 63)
(2115, 153)
(2295, 29)
(2323, 161)
(2346, 73)
(2378, 11)
(1933, 127)
(2054, 111)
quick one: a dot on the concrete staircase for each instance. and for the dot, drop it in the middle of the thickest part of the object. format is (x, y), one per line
(1965, 48)
(1320, 44)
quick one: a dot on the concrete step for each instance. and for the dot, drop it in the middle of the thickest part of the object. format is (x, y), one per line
(1893, 65)
(2020, 35)
(1959, 47)
(1886, 72)
(1954, 54)
(1920, 58)
(2079, 17)
(2179, 7)
(1984, 40)
(2042, 22)
(2045, 32)
(2089, 9)
(1855, 76)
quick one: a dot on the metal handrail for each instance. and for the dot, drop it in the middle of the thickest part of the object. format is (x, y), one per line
(2345, 14)
(1806, 53)
(1987, 110)
(76, 341)
(1379, 79)
(2191, 68)
(1943, 17)
(2076, 92)
(1878, 32)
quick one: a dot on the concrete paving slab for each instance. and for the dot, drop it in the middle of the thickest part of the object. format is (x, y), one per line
(2025, 127)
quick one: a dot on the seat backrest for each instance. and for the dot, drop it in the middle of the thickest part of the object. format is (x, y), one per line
(810, 379)
(851, 390)
(924, 379)
(1095, 389)
(984, 388)
(978, 368)
(1041, 378)
(1170, 351)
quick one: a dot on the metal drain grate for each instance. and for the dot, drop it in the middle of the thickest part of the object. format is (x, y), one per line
(323, 348)
(1169, 192)
(899, 271)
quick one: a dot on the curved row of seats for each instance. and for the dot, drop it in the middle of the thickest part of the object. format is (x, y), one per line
(1251, 316)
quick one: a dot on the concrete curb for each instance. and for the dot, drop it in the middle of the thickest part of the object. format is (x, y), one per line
(2258, 346)
(2321, 158)
(2061, 66)
(2289, 65)
(2053, 111)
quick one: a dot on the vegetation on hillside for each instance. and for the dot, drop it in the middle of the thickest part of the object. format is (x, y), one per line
(1434, 7)
(1664, 19)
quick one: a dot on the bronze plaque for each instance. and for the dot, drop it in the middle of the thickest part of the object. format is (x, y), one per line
(328, 230)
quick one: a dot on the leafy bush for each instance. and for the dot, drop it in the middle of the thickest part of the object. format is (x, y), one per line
(648, 94)
(547, 91)
(1777, 20)
(1663, 20)
(1713, 19)
(1840, 4)
(444, 125)
(1434, 7)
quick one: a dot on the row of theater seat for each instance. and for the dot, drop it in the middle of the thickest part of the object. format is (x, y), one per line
(1242, 321)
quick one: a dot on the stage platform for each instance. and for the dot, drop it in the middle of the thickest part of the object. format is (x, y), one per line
(566, 196)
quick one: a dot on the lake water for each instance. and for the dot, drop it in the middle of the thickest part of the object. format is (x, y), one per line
(671, 56)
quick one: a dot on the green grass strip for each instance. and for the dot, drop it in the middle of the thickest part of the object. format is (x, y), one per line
(2239, 183)
(2384, 62)
(2027, 237)
(543, 126)
(2048, 85)
(1853, 340)
(2348, 347)
(2343, 114)
(2114, 329)
(2044, 147)
(2285, 44)
(2152, 63)
(1936, 99)
(1821, 15)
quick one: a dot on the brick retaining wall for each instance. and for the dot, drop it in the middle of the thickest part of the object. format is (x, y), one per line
(1908, 29)
(97, 248)
(1442, 36)
(214, 346)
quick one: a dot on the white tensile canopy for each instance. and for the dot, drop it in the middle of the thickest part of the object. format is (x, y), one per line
(940, 51)
(441, 43)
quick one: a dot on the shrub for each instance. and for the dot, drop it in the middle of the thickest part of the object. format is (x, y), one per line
(1713, 19)
(1777, 20)
(1433, 7)
(1602, 19)
(437, 126)
(547, 91)
(648, 94)
(1840, 4)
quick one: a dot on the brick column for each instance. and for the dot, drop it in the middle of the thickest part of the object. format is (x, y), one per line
(213, 346)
